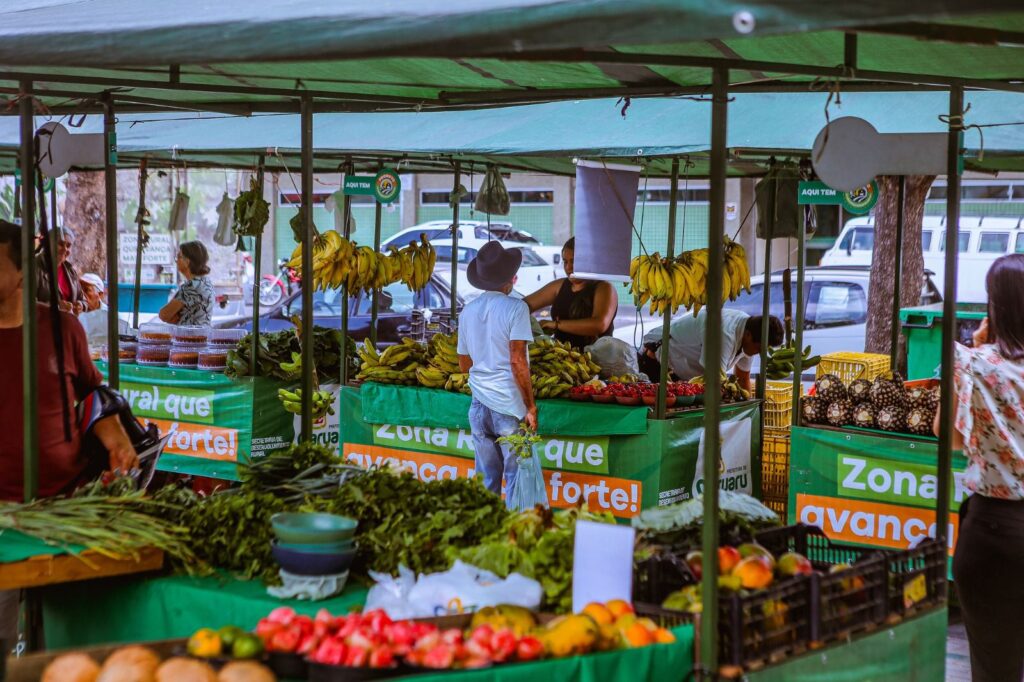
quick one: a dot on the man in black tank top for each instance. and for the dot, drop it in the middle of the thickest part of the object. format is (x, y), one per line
(582, 311)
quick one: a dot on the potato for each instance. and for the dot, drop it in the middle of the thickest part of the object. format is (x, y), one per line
(71, 668)
(246, 671)
(185, 670)
(130, 664)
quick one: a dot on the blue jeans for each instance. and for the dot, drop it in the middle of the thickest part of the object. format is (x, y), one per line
(493, 459)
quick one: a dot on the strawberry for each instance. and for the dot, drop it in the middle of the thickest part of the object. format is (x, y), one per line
(503, 645)
(283, 615)
(356, 657)
(381, 657)
(529, 649)
(331, 652)
(285, 640)
(439, 658)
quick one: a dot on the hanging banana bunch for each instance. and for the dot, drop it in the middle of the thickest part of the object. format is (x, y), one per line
(682, 281)
(323, 402)
(338, 261)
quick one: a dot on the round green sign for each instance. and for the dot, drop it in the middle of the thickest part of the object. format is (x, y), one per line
(861, 200)
(387, 186)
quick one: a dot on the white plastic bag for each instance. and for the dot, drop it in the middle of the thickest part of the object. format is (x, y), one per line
(616, 358)
(461, 589)
(527, 489)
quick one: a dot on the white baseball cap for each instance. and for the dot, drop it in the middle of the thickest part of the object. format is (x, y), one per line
(95, 280)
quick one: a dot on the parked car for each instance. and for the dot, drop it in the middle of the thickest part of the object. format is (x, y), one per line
(394, 319)
(534, 273)
(835, 310)
(441, 230)
(981, 241)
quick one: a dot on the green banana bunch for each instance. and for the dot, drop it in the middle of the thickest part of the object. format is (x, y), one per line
(323, 402)
(781, 361)
(556, 367)
(398, 364)
(295, 366)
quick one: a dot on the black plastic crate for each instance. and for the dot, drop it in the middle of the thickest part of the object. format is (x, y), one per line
(917, 577)
(665, 618)
(768, 625)
(659, 576)
(845, 600)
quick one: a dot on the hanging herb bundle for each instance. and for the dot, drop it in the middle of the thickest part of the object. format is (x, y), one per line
(299, 228)
(252, 212)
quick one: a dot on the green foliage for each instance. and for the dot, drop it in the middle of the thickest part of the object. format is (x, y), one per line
(275, 356)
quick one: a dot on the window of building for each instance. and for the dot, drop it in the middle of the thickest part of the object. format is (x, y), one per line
(993, 242)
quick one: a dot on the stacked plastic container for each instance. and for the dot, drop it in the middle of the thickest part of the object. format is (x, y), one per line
(214, 358)
(185, 347)
(154, 346)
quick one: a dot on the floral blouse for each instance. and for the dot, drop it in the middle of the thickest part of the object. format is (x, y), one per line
(196, 296)
(990, 416)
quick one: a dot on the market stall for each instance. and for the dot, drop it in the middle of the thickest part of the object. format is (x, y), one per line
(571, 72)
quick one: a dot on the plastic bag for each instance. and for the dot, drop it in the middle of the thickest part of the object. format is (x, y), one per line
(460, 589)
(224, 235)
(616, 358)
(493, 196)
(178, 220)
(310, 587)
(527, 489)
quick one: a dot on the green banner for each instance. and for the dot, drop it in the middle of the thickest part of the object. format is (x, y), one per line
(214, 422)
(359, 185)
(621, 474)
(858, 202)
(876, 491)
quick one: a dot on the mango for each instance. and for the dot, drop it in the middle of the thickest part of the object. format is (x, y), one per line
(728, 557)
(754, 572)
(749, 549)
(695, 562)
(791, 564)
(599, 612)
(570, 635)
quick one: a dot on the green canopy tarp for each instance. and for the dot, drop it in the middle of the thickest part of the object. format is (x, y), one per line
(547, 137)
(264, 54)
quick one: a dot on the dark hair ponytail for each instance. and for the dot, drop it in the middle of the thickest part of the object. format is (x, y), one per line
(197, 256)
(1005, 285)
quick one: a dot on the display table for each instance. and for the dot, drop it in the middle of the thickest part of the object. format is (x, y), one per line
(868, 489)
(912, 650)
(166, 608)
(614, 458)
(26, 562)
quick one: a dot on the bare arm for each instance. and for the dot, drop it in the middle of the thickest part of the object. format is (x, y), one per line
(111, 433)
(605, 307)
(465, 363)
(545, 296)
(958, 438)
(521, 373)
(171, 312)
(743, 378)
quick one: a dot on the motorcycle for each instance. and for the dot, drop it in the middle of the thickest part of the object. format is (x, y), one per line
(273, 288)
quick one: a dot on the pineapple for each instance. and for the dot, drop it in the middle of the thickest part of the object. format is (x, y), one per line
(813, 410)
(920, 421)
(840, 413)
(830, 388)
(860, 391)
(884, 393)
(922, 397)
(891, 418)
(864, 415)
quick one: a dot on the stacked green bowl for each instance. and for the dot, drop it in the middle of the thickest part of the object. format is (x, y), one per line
(314, 543)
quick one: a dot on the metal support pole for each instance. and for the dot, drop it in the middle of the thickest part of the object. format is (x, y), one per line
(766, 309)
(110, 215)
(53, 203)
(140, 221)
(29, 327)
(713, 370)
(798, 319)
(346, 217)
(455, 241)
(898, 274)
(376, 292)
(953, 170)
(306, 115)
(257, 276)
(673, 194)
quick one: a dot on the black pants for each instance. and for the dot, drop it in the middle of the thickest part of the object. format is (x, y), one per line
(988, 570)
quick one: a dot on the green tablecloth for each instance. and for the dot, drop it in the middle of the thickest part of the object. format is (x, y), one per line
(433, 408)
(145, 609)
(16, 546)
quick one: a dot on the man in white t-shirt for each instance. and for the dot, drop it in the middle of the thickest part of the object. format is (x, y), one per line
(494, 332)
(741, 342)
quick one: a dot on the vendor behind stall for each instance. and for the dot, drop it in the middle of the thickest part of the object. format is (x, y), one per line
(193, 302)
(582, 311)
(70, 297)
(741, 342)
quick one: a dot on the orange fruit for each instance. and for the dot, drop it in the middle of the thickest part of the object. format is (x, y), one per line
(619, 608)
(599, 612)
(637, 635)
(663, 636)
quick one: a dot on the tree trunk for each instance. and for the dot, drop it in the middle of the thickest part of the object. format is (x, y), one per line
(878, 337)
(84, 213)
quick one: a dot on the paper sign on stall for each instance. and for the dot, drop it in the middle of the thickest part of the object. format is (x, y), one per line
(602, 563)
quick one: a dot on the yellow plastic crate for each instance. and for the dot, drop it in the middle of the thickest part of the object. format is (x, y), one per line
(775, 470)
(778, 404)
(852, 366)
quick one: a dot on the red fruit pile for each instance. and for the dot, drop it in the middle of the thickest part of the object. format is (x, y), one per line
(639, 390)
(482, 647)
(373, 640)
(586, 389)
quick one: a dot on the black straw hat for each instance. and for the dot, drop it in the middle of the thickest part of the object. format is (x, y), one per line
(494, 266)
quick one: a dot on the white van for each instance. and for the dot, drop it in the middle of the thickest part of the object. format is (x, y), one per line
(982, 240)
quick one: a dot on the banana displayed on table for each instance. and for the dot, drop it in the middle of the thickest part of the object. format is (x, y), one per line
(682, 281)
(556, 367)
(781, 361)
(338, 261)
(397, 364)
(323, 402)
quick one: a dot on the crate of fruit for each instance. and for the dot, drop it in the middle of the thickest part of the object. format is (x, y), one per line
(884, 404)
(917, 577)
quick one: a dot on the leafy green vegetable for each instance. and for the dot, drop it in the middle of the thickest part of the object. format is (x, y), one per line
(679, 525)
(537, 544)
(275, 356)
(521, 443)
